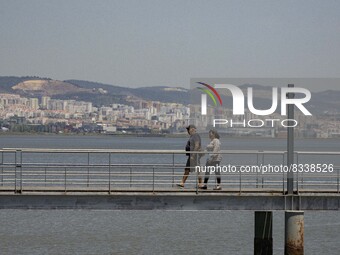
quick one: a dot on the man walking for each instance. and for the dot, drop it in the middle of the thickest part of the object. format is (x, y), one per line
(193, 144)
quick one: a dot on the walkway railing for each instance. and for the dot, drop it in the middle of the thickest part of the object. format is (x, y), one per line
(99, 170)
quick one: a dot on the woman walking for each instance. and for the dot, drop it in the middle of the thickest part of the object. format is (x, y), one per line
(214, 159)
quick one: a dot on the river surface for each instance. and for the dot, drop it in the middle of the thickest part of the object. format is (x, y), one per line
(154, 232)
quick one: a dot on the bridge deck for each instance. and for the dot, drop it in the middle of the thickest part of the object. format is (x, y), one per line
(97, 179)
(46, 190)
(169, 201)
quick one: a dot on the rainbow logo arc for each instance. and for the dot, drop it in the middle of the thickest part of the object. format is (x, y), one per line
(208, 92)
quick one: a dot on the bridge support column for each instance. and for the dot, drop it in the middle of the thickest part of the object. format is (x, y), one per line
(294, 233)
(263, 241)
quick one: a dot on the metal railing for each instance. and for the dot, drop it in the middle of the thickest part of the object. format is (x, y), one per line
(99, 170)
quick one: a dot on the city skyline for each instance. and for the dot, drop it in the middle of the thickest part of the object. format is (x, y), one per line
(145, 116)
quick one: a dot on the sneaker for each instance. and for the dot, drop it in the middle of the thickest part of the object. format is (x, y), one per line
(218, 187)
(180, 185)
(203, 187)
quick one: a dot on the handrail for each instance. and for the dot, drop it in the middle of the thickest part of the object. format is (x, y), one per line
(51, 150)
(29, 169)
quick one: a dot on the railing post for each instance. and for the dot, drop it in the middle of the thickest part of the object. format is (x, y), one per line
(15, 172)
(2, 168)
(88, 169)
(257, 173)
(109, 172)
(65, 174)
(197, 176)
(153, 179)
(338, 180)
(283, 174)
(290, 143)
(45, 176)
(21, 185)
(173, 169)
(297, 175)
(18, 176)
(262, 179)
(240, 180)
(130, 177)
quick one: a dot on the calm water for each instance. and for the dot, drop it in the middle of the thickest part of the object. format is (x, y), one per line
(112, 142)
(153, 232)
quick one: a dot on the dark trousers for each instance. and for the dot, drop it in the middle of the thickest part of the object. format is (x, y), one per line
(217, 173)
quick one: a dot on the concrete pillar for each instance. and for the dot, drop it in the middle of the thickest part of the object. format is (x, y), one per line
(263, 241)
(294, 233)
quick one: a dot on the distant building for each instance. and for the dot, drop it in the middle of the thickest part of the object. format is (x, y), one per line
(44, 102)
(55, 104)
(34, 103)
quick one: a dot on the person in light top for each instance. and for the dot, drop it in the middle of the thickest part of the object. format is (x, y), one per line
(214, 158)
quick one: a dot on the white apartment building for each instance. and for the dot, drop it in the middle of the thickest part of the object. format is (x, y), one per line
(34, 103)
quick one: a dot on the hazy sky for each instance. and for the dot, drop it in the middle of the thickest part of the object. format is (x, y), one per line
(149, 43)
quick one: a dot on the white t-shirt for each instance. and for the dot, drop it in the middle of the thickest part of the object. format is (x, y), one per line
(214, 146)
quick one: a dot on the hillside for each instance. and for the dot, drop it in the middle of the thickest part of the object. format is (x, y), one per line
(105, 94)
(7, 82)
(32, 86)
(47, 88)
(159, 93)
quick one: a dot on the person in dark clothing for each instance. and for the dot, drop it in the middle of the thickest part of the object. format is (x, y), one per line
(193, 144)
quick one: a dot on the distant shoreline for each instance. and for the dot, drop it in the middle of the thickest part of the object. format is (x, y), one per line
(180, 135)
